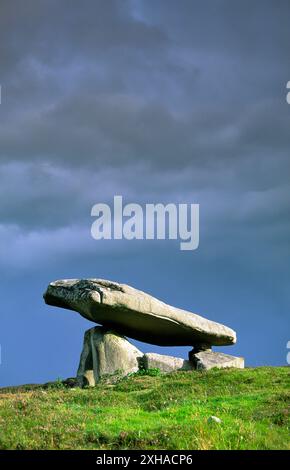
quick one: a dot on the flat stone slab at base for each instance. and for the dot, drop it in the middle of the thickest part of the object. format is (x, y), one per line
(105, 353)
(206, 360)
(108, 354)
(165, 363)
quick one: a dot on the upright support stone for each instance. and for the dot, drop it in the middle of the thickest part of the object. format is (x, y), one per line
(198, 347)
(205, 360)
(106, 352)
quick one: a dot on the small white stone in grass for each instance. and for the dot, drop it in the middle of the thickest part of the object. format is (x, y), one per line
(214, 419)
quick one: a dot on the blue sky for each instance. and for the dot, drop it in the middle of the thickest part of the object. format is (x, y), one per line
(158, 101)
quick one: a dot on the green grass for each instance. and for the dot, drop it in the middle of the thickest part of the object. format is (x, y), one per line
(153, 412)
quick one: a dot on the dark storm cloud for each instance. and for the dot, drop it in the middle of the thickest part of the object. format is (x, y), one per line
(98, 85)
(54, 31)
(153, 100)
(241, 28)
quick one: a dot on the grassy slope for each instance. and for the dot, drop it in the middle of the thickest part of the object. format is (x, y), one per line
(162, 412)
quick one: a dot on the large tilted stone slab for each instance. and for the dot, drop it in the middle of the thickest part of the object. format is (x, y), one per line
(106, 353)
(136, 314)
(206, 360)
(165, 363)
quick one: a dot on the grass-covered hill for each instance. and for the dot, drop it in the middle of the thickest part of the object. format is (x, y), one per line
(153, 412)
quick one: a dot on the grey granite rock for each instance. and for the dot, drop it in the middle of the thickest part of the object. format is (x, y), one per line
(214, 419)
(165, 363)
(136, 314)
(206, 360)
(105, 353)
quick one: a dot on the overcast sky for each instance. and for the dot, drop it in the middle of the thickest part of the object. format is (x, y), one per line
(158, 101)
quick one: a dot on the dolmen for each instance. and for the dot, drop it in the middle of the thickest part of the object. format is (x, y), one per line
(123, 311)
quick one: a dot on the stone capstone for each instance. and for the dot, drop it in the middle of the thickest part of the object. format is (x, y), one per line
(136, 314)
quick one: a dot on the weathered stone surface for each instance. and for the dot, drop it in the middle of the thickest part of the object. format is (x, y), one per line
(214, 419)
(198, 348)
(165, 363)
(208, 360)
(136, 314)
(105, 352)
